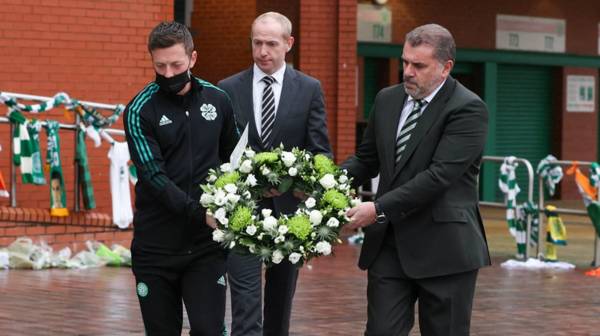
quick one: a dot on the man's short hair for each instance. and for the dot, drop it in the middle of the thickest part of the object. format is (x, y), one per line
(168, 34)
(437, 37)
(285, 23)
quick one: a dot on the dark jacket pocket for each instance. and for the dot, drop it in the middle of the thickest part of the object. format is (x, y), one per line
(449, 215)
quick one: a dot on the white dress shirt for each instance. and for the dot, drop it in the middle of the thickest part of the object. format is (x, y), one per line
(408, 105)
(257, 92)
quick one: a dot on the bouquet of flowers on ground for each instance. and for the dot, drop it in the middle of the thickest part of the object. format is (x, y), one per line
(232, 195)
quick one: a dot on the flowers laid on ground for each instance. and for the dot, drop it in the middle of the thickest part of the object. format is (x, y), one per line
(232, 197)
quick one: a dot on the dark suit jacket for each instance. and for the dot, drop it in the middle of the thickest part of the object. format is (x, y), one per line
(300, 119)
(431, 197)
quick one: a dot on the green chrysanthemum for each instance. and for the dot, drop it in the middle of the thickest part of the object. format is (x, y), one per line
(335, 199)
(229, 178)
(265, 157)
(324, 165)
(242, 217)
(299, 226)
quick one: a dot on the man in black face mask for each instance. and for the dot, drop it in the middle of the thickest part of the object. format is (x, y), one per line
(177, 128)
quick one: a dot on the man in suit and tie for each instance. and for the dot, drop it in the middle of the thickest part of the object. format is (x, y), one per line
(424, 237)
(280, 106)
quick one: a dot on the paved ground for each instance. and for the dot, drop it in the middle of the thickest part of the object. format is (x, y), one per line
(330, 299)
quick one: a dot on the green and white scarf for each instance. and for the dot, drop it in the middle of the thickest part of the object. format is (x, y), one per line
(550, 172)
(85, 178)
(58, 197)
(508, 185)
(26, 149)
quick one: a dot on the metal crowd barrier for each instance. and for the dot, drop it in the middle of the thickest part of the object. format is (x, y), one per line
(530, 180)
(542, 234)
(71, 127)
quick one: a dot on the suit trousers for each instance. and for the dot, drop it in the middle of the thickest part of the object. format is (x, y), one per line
(245, 274)
(444, 302)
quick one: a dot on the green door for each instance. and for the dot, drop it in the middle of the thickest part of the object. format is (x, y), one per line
(524, 117)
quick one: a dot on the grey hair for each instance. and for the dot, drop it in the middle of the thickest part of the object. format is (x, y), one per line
(285, 23)
(435, 36)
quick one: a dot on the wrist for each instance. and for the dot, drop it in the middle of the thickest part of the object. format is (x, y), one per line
(379, 214)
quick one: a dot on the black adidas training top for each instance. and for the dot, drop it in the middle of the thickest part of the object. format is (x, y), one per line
(173, 142)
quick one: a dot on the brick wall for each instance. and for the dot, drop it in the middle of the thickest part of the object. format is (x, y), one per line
(92, 50)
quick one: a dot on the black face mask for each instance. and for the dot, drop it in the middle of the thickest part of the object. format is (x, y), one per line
(173, 85)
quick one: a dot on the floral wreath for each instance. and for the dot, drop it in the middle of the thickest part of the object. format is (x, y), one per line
(231, 196)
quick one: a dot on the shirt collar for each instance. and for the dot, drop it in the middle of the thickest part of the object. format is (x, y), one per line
(278, 75)
(429, 98)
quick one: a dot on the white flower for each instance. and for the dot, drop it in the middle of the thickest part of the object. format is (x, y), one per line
(327, 181)
(211, 178)
(323, 247)
(233, 198)
(232, 244)
(283, 229)
(316, 217)
(279, 239)
(246, 166)
(333, 222)
(265, 171)
(220, 214)
(270, 223)
(293, 171)
(343, 187)
(343, 179)
(307, 157)
(251, 230)
(277, 257)
(313, 235)
(294, 257)
(206, 199)
(310, 202)
(219, 197)
(230, 188)
(249, 153)
(288, 158)
(218, 235)
(301, 248)
(266, 212)
(355, 201)
(251, 180)
(226, 167)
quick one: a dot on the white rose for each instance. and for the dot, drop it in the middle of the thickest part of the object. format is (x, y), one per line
(293, 171)
(249, 153)
(294, 257)
(310, 202)
(206, 199)
(211, 178)
(246, 166)
(277, 257)
(230, 188)
(279, 239)
(266, 212)
(270, 223)
(288, 158)
(219, 197)
(220, 214)
(333, 222)
(343, 187)
(226, 167)
(343, 179)
(251, 180)
(283, 229)
(323, 247)
(265, 171)
(233, 198)
(251, 230)
(316, 217)
(218, 235)
(327, 181)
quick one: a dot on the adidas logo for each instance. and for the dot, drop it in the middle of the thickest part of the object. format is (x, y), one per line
(221, 280)
(164, 121)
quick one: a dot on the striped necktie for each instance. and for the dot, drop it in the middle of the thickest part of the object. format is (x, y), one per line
(268, 111)
(408, 127)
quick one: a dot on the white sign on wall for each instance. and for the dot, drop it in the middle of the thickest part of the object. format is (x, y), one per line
(581, 92)
(374, 23)
(530, 33)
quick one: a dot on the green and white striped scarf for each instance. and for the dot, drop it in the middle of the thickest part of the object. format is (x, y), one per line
(552, 173)
(85, 178)
(508, 185)
(58, 197)
(26, 148)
